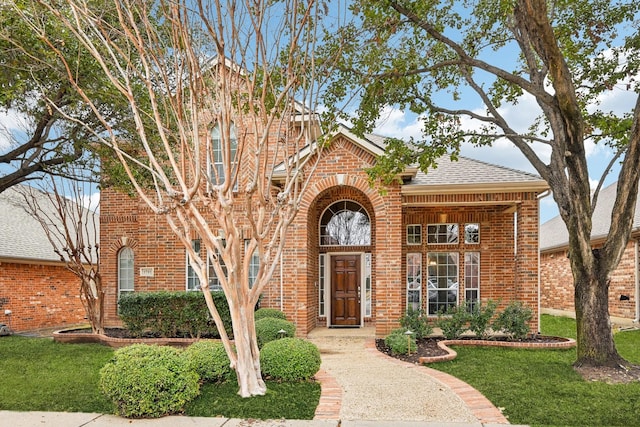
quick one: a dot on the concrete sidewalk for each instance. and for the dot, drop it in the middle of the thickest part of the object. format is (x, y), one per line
(78, 419)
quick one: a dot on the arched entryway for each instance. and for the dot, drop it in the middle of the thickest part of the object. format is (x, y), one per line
(342, 231)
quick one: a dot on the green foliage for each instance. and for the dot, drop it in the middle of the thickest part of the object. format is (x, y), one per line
(290, 359)
(145, 381)
(261, 313)
(480, 317)
(210, 360)
(453, 321)
(399, 342)
(268, 329)
(172, 314)
(513, 321)
(418, 322)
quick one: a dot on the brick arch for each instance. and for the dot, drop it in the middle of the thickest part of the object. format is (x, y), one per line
(121, 242)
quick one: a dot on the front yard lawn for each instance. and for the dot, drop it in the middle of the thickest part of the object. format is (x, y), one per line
(39, 374)
(540, 387)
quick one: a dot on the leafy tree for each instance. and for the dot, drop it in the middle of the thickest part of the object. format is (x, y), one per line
(436, 58)
(222, 95)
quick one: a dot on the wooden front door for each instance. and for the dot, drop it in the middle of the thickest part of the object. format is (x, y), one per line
(345, 290)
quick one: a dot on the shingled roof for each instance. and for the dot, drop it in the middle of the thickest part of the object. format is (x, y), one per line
(554, 234)
(21, 235)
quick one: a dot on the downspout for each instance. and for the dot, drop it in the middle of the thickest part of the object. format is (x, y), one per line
(636, 263)
(540, 197)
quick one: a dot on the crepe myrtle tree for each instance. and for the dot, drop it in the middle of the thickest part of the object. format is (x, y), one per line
(222, 95)
(66, 211)
(461, 66)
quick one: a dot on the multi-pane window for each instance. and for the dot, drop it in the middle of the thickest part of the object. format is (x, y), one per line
(443, 234)
(345, 223)
(414, 281)
(472, 278)
(414, 234)
(367, 285)
(471, 233)
(442, 281)
(322, 303)
(254, 264)
(218, 148)
(193, 281)
(125, 270)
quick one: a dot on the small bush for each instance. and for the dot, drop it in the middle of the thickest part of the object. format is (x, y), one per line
(210, 360)
(480, 318)
(513, 321)
(418, 322)
(400, 343)
(267, 329)
(262, 313)
(453, 321)
(290, 359)
(146, 381)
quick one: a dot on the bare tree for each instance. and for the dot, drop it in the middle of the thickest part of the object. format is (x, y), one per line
(229, 89)
(71, 226)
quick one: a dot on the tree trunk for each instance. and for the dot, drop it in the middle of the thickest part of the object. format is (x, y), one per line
(248, 355)
(595, 345)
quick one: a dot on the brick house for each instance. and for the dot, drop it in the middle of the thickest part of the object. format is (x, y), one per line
(36, 289)
(356, 256)
(556, 279)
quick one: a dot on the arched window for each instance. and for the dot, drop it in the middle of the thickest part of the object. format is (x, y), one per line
(217, 169)
(345, 223)
(125, 270)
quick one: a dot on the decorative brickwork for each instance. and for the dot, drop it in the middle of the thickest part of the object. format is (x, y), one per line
(39, 296)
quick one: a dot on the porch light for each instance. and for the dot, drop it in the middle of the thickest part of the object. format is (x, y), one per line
(442, 218)
(282, 333)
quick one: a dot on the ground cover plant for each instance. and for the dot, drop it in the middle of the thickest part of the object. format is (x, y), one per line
(541, 388)
(39, 374)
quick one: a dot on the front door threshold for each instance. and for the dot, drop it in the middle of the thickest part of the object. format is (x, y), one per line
(344, 326)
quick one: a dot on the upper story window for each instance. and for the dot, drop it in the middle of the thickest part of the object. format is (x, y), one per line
(442, 234)
(345, 223)
(217, 168)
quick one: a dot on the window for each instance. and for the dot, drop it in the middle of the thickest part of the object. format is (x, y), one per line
(125, 270)
(322, 286)
(254, 263)
(217, 169)
(442, 283)
(367, 285)
(414, 234)
(472, 278)
(471, 234)
(414, 281)
(193, 281)
(442, 234)
(345, 223)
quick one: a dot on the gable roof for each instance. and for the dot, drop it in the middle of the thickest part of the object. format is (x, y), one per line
(22, 238)
(554, 234)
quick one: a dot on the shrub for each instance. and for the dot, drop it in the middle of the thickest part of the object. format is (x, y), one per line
(146, 381)
(513, 321)
(480, 318)
(261, 313)
(290, 359)
(400, 343)
(210, 360)
(172, 314)
(453, 321)
(267, 329)
(418, 322)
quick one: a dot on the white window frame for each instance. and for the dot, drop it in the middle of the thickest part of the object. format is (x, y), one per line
(254, 263)
(192, 277)
(414, 280)
(367, 285)
(414, 234)
(214, 283)
(126, 273)
(468, 234)
(443, 234)
(217, 162)
(322, 285)
(472, 277)
(443, 281)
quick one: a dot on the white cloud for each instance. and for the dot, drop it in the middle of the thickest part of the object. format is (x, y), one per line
(11, 124)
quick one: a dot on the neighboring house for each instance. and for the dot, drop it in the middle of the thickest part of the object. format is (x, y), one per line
(36, 289)
(356, 256)
(556, 279)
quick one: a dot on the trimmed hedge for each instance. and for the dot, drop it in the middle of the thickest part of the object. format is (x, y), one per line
(148, 381)
(209, 359)
(290, 359)
(267, 329)
(261, 313)
(172, 314)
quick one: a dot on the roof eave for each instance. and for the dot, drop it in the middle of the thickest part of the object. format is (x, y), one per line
(491, 187)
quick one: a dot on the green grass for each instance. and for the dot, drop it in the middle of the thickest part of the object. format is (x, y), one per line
(39, 374)
(540, 387)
